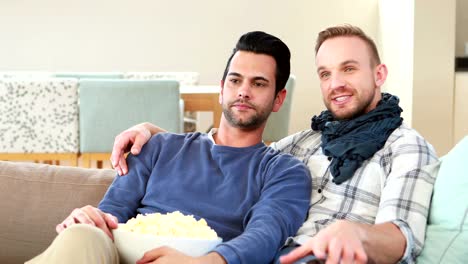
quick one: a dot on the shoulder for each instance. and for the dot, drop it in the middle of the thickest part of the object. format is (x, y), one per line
(279, 163)
(171, 144)
(175, 138)
(405, 149)
(407, 140)
(301, 140)
(163, 142)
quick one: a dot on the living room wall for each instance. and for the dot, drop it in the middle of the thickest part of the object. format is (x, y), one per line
(418, 44)
(156, 35)
(462, 28)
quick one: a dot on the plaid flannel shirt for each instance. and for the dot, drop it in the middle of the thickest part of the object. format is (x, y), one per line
(391, 186)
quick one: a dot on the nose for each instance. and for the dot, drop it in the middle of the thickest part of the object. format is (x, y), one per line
(244, 91)
(336, 81)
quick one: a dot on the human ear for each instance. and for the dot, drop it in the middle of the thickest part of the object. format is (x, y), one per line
(220, 97)
(279, 100)
(381, 73)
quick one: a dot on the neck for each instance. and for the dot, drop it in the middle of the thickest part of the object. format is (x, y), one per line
(228, 135)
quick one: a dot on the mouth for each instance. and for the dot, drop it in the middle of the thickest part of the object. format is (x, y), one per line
(341, 99)
(242, 106)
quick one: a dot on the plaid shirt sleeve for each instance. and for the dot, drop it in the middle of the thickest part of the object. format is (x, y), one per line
(406, 194)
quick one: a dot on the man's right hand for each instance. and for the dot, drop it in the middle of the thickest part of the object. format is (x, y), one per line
(131, 140)
(92, 216)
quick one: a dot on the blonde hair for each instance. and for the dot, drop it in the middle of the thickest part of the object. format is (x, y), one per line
(347, 30)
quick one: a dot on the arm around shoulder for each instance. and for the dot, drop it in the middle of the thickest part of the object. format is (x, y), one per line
(131, 140)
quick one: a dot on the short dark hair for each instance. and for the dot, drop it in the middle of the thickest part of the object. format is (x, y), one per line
(263, 43)
(347, 30)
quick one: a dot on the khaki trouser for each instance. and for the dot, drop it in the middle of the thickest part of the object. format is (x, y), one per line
(79, 244)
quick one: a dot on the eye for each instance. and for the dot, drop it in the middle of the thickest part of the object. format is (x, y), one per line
(349, 69)
(259, 84)
(324, 75)
(234, 80)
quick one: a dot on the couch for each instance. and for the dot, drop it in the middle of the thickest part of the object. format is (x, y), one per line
(35, 197)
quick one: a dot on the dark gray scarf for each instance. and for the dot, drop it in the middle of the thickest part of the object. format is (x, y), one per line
(350, 142)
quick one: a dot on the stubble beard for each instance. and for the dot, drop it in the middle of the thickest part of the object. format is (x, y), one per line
(253, 122)
(360, 109)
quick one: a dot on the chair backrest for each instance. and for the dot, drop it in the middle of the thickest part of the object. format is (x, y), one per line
(26, 74)
(278, 123)
(184, 78)
(89, 75)
(38, 115)
(107, 107)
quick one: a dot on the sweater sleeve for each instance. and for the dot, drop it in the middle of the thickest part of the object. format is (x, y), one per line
(280, 211)
(123, 197)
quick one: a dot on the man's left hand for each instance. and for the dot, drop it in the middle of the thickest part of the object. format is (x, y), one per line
(167, 255)
(341, 242)
(163, 255)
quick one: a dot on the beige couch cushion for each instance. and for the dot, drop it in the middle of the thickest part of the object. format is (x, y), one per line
(34, 198)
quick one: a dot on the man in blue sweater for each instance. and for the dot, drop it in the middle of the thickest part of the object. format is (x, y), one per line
(252, 196)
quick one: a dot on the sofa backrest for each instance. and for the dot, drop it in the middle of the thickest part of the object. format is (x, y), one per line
(447, 231)
(34, 198)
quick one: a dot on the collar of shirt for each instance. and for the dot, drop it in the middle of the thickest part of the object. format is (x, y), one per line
(211, 133)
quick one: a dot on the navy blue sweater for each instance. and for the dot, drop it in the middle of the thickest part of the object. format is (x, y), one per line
(253, 197)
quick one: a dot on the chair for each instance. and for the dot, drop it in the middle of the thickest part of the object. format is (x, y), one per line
(26, 74)
(89, 75)
(278, 123)
(109, 106)
(39, 119)
(184, 78)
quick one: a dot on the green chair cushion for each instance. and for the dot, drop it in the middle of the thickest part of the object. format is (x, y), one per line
(277, 126)
(108, 107)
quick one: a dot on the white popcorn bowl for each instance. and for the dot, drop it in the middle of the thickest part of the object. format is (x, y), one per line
(132, 246)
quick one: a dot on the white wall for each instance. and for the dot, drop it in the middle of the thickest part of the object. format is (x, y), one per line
(460, 109)
(434, 74)
(418, 42)
(156, 35)
(396, 39)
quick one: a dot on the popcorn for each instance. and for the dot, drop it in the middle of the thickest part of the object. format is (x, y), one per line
(173, 224)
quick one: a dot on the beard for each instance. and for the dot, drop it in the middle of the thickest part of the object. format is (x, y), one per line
(252, 122)
(359, 109)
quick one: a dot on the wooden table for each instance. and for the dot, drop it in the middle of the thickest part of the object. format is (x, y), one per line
(202, 98)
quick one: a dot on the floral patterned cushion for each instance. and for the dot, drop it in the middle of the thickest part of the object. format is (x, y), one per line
(38, 115)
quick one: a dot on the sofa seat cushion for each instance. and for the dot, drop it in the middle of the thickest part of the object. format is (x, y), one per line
(444, 246)
(34, 198)
(447, 231)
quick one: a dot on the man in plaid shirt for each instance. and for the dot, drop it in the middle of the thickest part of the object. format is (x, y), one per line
(379, 213)
(370, 191)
